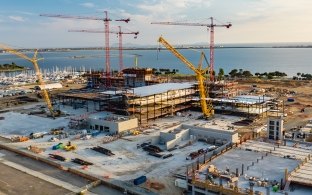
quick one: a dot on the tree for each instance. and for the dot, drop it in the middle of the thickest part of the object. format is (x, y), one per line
(233, 73)
(298, 74)
(247, 73)
(220, 74)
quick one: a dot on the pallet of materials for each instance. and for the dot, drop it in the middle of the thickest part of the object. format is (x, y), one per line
(103, 150)
(81, 162)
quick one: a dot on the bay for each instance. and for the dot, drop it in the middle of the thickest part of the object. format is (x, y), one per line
(288, 60)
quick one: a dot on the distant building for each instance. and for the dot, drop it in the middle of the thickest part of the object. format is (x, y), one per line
(275, 128)
(49, 86)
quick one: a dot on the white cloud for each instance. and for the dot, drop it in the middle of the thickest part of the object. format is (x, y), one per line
(17, 18)
(171, 8)
(88, 5)
(26, 13)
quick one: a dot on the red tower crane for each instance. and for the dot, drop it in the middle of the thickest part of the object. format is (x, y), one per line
(210, 26)
(106, 20)
(119, 34)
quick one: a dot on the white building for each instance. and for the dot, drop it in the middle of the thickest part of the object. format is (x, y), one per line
(275, 128)
(111, 123)
(49, 86)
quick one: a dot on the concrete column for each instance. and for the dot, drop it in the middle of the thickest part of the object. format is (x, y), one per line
(197, 164)
(286, 175)
(267, 190)
(193, 190)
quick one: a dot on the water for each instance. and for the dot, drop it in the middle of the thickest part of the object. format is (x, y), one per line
(288, 60)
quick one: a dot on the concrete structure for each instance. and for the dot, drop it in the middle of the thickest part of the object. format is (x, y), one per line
(49, 86)
(137, 77)
(113, 124)
(187, 132)
(275, 128)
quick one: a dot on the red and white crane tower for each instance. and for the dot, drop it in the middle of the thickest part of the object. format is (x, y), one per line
(106, 20)
(119, 34)
(210, 26)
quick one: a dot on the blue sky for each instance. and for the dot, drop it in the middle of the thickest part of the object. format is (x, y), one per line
(254, 21)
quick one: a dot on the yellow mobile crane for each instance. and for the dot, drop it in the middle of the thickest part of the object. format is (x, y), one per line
(34, 60)
(206, 105)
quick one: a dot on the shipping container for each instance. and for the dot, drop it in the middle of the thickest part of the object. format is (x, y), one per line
(139, 180)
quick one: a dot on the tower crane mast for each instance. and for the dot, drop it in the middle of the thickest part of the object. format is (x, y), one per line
(210, 26)
(106, 21)
(119, 34)
(206, 106)
(34, 60)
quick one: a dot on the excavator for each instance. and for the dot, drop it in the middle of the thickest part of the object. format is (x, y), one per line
(34, 60)
(206, 104)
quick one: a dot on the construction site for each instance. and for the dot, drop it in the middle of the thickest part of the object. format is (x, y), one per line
(136, 132)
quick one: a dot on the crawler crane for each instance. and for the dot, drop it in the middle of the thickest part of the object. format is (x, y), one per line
(206, 104)
(34, 60)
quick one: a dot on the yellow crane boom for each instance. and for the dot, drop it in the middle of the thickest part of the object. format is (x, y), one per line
(34, 60)
(206, 105)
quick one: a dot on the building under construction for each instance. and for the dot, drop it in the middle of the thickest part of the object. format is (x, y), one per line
(130, 77)
(153, 101)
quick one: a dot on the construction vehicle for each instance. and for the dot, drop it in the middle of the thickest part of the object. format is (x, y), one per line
(57, 131)
(58, 146)
(70, 147)
(206, 105)
(19, 138)
(36, 135)
(136, 132)
(34, 60)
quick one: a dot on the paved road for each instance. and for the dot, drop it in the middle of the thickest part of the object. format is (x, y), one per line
(13, 181)
(54, 173)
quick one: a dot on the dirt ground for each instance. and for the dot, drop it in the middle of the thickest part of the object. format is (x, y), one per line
(13, 181)
(303, 98)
